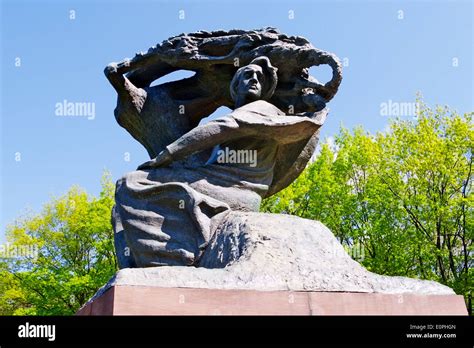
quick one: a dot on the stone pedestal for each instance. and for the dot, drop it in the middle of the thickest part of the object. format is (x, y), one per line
(145, 300)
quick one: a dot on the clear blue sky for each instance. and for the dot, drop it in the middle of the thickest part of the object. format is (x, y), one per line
(389, 59)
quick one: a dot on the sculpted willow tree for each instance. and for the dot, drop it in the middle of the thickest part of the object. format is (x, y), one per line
(197, 201)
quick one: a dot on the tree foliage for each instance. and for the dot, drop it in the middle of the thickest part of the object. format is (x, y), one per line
(70, 256)
(400, 200)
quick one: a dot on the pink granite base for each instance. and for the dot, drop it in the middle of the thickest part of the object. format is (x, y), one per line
(141, 300)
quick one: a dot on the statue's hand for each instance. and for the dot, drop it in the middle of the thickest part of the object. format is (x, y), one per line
(110, 69)
(162, 160)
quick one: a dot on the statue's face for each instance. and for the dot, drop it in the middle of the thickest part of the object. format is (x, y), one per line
(250, 82)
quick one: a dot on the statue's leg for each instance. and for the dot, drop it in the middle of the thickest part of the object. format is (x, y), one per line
(162, 223)
(125, 257)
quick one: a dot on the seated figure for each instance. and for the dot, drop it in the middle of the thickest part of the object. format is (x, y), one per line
(167, 211)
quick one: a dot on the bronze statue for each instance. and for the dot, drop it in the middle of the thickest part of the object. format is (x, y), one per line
(196, 202)
(167, 211)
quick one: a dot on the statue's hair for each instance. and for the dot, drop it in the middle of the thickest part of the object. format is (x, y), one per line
(269, 71)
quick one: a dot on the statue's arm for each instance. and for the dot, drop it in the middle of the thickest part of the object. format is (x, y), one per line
(130, 98)
(115, 74)
(198, 139)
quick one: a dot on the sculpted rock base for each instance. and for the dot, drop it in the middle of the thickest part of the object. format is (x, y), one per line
(270, 252)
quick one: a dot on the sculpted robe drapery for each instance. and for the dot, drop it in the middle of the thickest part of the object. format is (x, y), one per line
(169, 214)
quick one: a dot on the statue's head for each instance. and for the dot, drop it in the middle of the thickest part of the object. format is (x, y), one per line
(254, 81)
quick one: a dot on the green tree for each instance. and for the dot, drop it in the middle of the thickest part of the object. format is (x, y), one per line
(401, 199)
(71, 255)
